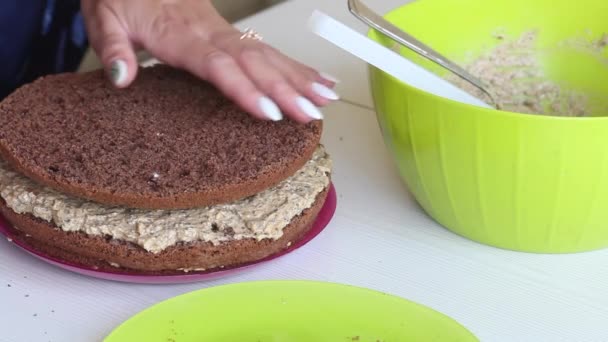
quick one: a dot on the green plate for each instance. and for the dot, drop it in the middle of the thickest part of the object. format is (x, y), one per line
(288, 311)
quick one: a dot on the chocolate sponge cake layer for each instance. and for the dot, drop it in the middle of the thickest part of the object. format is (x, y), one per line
(169, 141)
(115, 255)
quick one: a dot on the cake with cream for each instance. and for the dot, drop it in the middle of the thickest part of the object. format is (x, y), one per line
(164, 177)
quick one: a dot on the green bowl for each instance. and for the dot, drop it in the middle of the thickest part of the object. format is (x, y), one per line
(516, 181)
(289, 311)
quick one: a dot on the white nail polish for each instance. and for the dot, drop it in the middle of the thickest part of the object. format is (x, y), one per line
(324, 91)
(270, 109)
(329, 77)
(118, 72)
(309, 108)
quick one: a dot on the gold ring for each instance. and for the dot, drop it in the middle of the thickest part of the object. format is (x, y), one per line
(251, 34)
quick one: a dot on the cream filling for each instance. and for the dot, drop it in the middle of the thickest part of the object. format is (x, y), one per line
(514, 73)
(262, 216)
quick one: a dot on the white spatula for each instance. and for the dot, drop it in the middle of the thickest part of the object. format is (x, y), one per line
(386, 59)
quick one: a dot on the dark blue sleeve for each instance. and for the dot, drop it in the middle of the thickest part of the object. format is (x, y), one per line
(39, 37)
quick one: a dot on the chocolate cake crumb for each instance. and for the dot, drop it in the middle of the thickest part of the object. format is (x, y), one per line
(229, 231)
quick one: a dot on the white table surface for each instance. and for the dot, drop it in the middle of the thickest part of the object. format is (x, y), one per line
(379, 239)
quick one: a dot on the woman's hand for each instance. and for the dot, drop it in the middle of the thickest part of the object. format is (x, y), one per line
(192, 35)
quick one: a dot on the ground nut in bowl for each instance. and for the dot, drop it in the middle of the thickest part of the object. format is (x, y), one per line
(532, 176)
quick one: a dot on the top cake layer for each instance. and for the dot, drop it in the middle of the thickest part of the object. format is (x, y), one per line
(169, 141)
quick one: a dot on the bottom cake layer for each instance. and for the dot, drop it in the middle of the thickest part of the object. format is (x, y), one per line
(108, 254)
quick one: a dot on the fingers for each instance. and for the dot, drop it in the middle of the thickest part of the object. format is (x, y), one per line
(219, 68)
(297, 89)
(305, 80)
(321, 77)
(277, 85)
(112, 44)
(194, 37)
(244, 73)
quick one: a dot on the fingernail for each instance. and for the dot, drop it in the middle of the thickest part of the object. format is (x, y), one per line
(329, 77)
(324, 91)
(270, 109)
(309, 108)
(118, 72)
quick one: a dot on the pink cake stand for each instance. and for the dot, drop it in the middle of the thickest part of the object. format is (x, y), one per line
(325, 215)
